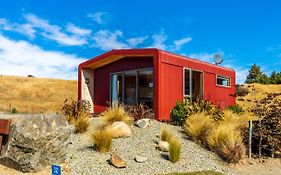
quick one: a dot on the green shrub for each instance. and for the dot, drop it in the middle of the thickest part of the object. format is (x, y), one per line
(184, 109)
(14, 111)
(174, 149)
(178, 113)
(198, 126)
(236, 109)
(102, 139)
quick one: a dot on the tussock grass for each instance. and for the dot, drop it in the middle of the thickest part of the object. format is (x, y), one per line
(240, 121)
(165, 133)
(174, 149)
(102, 139)
(227, 141)
(198, 126)
(116, 113)
(35, 95)
(82, 123)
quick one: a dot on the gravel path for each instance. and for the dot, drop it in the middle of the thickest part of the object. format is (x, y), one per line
(82, 159)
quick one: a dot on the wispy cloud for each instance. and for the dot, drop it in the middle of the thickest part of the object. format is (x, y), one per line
(273, 48)
(133, 42)
(179, 43)
(99, 17)
(23, 58)
(77, 30)
(159, 40)
(25, 29)
(54, 32)
(107, 40)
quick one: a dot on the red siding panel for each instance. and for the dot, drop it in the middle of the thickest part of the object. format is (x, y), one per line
(102, 78)
(171, 89)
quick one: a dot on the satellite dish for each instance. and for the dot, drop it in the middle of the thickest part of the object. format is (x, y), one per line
(218, 59)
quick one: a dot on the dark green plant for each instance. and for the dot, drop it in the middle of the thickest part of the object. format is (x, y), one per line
(184, 109)
(14, 111)
(236, 109)
(178, 113)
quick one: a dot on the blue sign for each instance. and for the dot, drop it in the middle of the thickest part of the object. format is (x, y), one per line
(56, 170)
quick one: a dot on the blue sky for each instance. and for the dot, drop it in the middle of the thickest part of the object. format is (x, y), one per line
(50, 38)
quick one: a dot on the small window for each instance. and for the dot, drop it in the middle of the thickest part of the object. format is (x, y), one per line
(187, 82)
(223, 81)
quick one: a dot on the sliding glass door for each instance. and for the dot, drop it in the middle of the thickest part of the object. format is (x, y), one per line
(132, 87)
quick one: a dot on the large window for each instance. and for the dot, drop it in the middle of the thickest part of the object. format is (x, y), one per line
(223, 81)
(132, 87)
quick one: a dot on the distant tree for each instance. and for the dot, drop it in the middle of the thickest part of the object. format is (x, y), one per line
(275, 77)
(254, 74)
(257, 76)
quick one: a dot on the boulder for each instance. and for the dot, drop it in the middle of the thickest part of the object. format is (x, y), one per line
(120, 129)
(163, 146)
(140, 159)
(35, 142)
(144, 123)
(117, 161)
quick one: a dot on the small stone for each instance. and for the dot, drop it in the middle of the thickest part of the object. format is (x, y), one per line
(144, 123)
(163, 146)
(117, 161)
(140, 159)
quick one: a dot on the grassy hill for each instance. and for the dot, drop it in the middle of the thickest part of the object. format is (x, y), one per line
(256, 93)
(35, 95)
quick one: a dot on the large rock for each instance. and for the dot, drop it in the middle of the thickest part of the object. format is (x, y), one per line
(117, 161)
(35, 142)
(144, 123)
(120, 129)
(163, 146)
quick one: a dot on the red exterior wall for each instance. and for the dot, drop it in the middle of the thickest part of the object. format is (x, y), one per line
(171, 82)
(102, 78)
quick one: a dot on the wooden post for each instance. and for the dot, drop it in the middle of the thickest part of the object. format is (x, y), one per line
(250, 138)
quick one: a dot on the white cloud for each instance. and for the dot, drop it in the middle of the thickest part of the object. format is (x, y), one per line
(99, 17)
(159, 40)
(179, 43)
(133, 42)
(23, 58)
(54, 32)
(25, 29)
(106, 40)
(78, 30)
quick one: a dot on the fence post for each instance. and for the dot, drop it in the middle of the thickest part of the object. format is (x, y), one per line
(250, 138)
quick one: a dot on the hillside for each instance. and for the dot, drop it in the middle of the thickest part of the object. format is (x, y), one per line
(256, 93)
(35, 95)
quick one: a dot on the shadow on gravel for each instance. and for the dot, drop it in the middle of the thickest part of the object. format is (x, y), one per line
(164, 156)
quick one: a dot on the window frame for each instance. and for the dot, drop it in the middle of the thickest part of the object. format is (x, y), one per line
(223, 77)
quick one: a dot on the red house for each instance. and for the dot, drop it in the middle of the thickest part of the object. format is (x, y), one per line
(155, 77)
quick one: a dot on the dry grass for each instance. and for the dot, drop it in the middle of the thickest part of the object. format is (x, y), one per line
(116, 113)
(102, 139)
(174, 149)
(82, 123)
(165, 133)
(241, 121)
(198, 126)
(227, 141)
(256, 93)
(35, 95)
